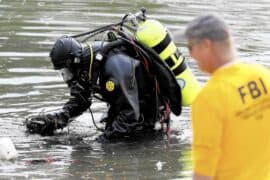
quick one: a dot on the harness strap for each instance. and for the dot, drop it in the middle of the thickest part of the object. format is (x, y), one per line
(181, 68)
(171, 60)
(163, 44)
(91, 57)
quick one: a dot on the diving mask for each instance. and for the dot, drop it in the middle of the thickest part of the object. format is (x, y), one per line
(66, 74)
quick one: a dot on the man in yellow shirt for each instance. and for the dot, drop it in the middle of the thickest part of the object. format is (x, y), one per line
(231, 115)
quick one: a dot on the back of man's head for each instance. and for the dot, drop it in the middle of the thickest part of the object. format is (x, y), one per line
(209, 27)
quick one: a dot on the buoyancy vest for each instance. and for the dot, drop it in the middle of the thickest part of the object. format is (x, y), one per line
(167, 83)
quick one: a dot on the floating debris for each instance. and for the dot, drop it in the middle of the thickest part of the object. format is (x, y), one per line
(7, 149)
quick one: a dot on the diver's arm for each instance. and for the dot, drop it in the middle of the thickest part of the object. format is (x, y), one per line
(78, 102)
(45, 124)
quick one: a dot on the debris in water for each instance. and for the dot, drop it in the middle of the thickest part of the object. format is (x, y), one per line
(159, 165)
(7, 149)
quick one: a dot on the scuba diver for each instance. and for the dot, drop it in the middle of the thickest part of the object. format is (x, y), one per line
(123, 71)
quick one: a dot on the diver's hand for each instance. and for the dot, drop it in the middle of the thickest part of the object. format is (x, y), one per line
(44, 124)
(102, 139)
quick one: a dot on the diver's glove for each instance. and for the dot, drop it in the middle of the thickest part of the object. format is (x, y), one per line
(46, 124)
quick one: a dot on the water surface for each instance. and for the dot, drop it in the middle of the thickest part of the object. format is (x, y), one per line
(28, 28)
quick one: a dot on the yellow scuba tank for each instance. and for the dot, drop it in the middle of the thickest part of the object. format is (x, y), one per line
(153, 34)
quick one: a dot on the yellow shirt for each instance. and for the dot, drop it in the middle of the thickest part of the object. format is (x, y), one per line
(231, 124)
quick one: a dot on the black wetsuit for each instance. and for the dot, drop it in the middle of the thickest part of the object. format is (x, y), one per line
(132, 102)
(137, 99)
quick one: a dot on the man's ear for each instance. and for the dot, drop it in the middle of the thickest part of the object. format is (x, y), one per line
(207, 43)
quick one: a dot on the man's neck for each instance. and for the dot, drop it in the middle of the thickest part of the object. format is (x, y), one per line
(228, 63)
(224, 57)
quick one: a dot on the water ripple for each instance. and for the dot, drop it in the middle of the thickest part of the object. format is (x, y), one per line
(24, 54)
(29, 80)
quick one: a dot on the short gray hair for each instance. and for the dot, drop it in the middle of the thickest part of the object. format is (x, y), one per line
(207, 27)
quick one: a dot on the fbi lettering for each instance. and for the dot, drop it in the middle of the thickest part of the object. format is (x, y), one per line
(253, 89)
